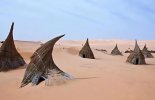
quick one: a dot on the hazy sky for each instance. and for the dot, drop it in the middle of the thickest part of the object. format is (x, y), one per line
(78, 19)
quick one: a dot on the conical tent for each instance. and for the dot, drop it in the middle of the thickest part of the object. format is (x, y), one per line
(136, 57)
(116, 51)
(146, 52)
(86, 51)
(9, 56)
(42, 66)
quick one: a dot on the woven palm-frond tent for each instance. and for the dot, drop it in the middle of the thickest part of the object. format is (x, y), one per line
(136, 57)
(116, 51)
(9, 56)
(42, 66)
(86, 51)
(146, 52)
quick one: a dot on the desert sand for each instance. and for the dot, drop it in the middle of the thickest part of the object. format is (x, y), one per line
(105, 78)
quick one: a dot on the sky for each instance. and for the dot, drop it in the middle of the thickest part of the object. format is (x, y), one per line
(78, 19)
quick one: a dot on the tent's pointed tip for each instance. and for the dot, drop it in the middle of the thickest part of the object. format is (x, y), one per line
(136, 42)
(58, 37)
(12, 24)
(136, 46)
(87, 40)
(11, 30)
(62, 35)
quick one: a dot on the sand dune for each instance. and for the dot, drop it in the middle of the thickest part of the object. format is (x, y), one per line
(105, 78)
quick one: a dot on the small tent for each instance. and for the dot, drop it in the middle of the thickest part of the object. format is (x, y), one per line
(146, 52)
(116, 51)
(86, 51)
(136, 57)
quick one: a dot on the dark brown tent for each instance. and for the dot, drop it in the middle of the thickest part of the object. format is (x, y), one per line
(116, 51)
(136, 57)
(9, 56)
(42, 66)
(86, 51)
(146, 52)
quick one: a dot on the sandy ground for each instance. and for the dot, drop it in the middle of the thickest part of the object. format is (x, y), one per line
(105, 78)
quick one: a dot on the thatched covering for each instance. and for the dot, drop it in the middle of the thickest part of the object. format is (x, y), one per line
(116, 51)
(136, 57)
(86, 51)
(9, 56)
(146, 52)
(42, 66)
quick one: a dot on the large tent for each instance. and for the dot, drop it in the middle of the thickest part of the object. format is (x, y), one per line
(9, 56)
(42, 66)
